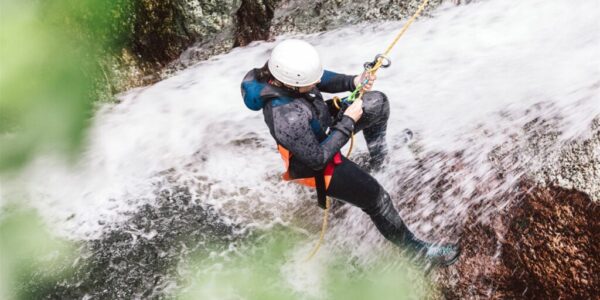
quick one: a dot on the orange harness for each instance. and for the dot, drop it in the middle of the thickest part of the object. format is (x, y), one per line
(320, 182)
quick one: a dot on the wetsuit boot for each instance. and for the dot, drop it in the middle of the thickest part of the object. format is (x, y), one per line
(390, 224)
(442, 255)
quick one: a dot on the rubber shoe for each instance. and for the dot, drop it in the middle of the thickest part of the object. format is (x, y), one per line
(402, 139)
(442, 255)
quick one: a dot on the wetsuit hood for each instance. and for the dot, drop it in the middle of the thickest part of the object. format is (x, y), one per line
(257, 93)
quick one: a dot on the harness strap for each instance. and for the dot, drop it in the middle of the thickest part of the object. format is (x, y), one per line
(320, 181)
(321, 191)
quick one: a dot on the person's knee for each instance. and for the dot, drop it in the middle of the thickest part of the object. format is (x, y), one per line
(376, 105)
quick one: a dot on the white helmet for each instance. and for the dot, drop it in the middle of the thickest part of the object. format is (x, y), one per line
(295, 63)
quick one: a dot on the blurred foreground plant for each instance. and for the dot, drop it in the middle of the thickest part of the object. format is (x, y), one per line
(31, 260)
(51, 70)
(269, 267)
(51, 55)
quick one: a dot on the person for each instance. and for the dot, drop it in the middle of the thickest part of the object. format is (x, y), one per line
(310, 132)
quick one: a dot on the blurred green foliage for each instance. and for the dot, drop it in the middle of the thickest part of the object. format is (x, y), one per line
(31, 260)
(257, 272)
(52, 65)
(51, 69)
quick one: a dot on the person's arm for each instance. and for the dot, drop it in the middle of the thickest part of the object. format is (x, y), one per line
(332, 82)
(293, 131)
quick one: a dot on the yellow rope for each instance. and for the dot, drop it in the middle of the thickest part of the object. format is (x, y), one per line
(351, 145)
(379, 62)
(372, 70)
(323, 229)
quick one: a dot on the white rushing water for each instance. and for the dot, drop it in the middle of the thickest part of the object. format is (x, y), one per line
(468, 79)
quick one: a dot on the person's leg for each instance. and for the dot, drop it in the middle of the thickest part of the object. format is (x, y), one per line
(353, 185)
(376, 112)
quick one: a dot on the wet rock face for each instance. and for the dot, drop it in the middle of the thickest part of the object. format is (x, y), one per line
(530, 227)
(175, 24)
(167, 36)
(139, 259)
(577, 166)
(546, 246)
(163, 29)
(561, 229)
(314, 16)
(252, 20)
(156, 32)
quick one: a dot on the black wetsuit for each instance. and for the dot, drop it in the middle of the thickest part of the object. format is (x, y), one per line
(306, 125)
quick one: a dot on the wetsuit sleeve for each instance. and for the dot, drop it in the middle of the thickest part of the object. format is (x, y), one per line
(332, 82)
(293, 131)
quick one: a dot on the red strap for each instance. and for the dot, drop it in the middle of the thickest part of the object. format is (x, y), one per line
(337, 159)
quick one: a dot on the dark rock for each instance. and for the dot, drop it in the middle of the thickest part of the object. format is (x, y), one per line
(525, 234)
(264, 19)
(159, 31)
(254, 21)
(546, 246)
(139, 258)
(307, 17)
(162, 37)
(577, 166)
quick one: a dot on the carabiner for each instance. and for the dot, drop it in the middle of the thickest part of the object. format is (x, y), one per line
(386, 62)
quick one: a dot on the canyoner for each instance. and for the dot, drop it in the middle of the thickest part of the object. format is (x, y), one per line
(310, 131)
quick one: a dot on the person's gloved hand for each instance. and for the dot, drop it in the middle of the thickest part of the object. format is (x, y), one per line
(360, 78)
